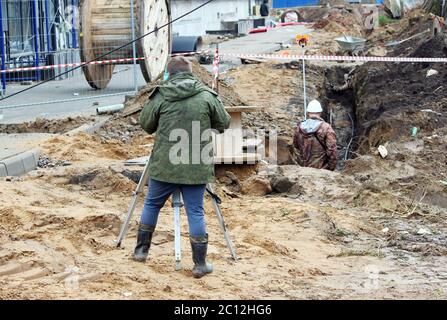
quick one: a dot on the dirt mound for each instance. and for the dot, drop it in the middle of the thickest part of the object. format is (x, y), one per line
(124, 129)
(226, 92)
(276, 86)
(381, 218)
(97, 179)
(342, 19)
(393, 98)
(41, 125)
(414, 22)
(85, 147)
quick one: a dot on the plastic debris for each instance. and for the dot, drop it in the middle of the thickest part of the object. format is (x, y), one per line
(414, 131)
(432, 72)
(383, 151)
(423, 231)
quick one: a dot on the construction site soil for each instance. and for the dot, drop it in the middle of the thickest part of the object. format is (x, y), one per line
(373, 229)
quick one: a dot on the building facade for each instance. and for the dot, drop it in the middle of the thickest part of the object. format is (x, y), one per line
(218, 15)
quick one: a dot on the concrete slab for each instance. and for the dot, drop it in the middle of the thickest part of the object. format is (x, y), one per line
(3, 172)
(30, 159)
(14, 166)
(20, 164)
(16, 157)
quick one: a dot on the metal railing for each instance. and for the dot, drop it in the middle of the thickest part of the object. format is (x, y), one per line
(38, 41)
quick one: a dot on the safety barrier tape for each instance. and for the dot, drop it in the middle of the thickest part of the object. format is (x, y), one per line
(247, 56)
(70, 65)
(333, 58)
(101, 62)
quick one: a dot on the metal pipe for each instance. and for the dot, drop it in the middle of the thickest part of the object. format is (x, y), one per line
(36, 37)
(47, 27)
(304, 86)
(110, 109)
(73, 28)
(177, 204)
(134, 45)
(2, 51)
(352, 136)
(186, 44)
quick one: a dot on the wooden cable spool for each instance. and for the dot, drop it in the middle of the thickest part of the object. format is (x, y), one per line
(106, 25)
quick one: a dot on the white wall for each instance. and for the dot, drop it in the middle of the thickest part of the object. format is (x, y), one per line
(208, 17)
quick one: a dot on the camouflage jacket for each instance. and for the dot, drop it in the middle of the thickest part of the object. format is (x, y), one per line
(179, 111)
(317, 144)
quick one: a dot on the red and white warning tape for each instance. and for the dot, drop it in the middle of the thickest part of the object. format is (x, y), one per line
(71, 65)
(216, 63)
(191, 53)
(332, 58)
(243, 55)
(101, 62)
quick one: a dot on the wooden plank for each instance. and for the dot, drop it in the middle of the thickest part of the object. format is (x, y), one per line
(238, 109)
(241, 159)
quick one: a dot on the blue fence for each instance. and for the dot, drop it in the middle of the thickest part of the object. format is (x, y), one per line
(293, 3)
(299, 3)
(31, 34)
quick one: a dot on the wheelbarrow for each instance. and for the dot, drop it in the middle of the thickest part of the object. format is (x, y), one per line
(351, 45)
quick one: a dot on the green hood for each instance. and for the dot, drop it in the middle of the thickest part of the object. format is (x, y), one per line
(181, 86)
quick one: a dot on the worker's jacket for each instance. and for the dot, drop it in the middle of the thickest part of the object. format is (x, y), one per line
(179, 111)
(317, 144)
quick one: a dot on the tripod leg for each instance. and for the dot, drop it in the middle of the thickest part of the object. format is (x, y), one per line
(222, 224)
(177, 203)
(140, 188)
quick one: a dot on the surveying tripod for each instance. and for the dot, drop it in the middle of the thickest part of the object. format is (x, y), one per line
(177, 203)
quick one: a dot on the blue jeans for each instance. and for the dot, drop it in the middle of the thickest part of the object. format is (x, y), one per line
(193, 196)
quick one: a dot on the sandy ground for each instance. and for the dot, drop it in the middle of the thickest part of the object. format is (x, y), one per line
(375, 230)
(58, 226)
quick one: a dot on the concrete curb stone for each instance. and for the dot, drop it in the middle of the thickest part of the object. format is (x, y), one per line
(20, 164)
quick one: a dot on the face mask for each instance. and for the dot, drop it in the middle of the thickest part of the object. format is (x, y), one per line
(166, 76)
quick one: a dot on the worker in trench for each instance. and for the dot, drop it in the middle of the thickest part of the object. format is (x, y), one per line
(182, 112)
(316, 140)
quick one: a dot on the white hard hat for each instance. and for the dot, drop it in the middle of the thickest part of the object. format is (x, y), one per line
(314, 107)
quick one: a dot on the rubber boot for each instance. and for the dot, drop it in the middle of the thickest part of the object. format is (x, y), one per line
(144, 239)
(199, 246)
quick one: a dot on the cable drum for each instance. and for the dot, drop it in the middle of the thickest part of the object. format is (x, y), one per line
(291, 16)
(107, 24)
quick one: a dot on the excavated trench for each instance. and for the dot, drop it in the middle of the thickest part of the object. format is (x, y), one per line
(377, 103)
(338, 96)
(336, 92)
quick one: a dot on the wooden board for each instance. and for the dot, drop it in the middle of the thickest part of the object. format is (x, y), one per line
(97, 76)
